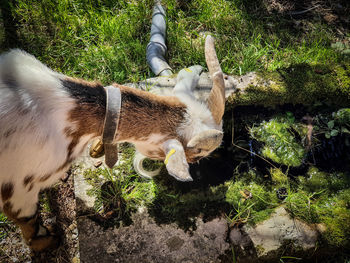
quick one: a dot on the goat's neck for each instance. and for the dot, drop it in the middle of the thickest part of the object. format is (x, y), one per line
(89, 111)
(142, 114)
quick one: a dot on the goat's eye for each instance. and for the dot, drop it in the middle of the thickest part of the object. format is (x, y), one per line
(198, 151)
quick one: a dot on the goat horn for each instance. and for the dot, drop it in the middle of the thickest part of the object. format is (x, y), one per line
(216, 99)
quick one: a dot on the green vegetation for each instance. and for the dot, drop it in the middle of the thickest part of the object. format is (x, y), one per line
(316, 197)
(106, 40)
(251, 202)
(280, 145)
(5, 226)
(120, 191)
(302, 83)
(324, 198)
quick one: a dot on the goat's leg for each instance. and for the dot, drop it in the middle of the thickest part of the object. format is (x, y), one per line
(35, 235)
(187, 79)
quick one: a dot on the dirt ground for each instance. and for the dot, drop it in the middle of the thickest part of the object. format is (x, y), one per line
(61, 214)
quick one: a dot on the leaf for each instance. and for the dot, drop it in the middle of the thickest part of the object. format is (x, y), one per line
(344, 130)
(334, 133)
(327, 135)
(330, 124)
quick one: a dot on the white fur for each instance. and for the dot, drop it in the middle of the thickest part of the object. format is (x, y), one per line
(38, 144)
(151, 143)
(199, 118)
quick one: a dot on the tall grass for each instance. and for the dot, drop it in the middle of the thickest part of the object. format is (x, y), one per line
(106, 40)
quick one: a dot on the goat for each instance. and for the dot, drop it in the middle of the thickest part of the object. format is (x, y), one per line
(47, 119)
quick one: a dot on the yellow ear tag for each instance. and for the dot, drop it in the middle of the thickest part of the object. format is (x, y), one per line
(188, 70)
(170, 153)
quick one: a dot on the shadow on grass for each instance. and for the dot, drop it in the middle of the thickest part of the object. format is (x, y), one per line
(11, 39)
(284, 15)
(171, 205)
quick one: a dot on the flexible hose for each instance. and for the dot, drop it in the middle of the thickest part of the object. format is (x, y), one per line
(138, 166)
(156, 48)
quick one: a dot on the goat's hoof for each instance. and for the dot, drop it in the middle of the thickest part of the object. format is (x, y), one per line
(41, 243)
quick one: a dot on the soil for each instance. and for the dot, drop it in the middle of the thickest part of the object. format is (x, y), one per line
(62, 216)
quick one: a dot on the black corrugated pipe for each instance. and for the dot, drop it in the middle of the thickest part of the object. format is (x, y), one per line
(156, 48)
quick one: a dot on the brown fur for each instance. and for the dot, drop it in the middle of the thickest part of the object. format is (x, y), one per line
(91, 106)
(140, 111)
(28, 179)
(6, 191)
(8, 211)
(156, 154)
(88, 115)
(45, 177)
(29, 228)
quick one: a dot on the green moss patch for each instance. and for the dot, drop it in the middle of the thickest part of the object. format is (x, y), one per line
(298, 84)
(279, 141)
(251, 202)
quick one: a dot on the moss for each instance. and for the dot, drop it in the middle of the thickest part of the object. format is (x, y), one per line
(335, 214)
(119, 191)
(324, 198)
(278, 177)
(44, 201)
(279, 143)
(300, 205)
(341, 73)
(318, 181)
(251, 202)
(260, 250)
(5, 227)
(298, 84)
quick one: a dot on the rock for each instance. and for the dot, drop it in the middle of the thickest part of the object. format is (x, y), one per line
(321, 228)
(269, 237)
(239, 238)
(98, 163)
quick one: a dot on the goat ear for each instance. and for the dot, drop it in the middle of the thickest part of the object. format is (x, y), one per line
(175, 161)
(208, 140)
(216, 99)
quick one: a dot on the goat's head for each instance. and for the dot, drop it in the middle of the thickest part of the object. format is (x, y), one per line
(202, 133)
(201, 144)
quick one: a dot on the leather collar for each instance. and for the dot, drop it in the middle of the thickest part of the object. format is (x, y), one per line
(110, 127)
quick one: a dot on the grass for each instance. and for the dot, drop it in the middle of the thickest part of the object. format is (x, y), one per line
(119, 191)
(5, 226)
(106, 40)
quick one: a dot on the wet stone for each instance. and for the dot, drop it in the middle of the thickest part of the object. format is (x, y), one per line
(174, 243)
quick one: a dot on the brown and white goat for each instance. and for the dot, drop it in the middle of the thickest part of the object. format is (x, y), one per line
(47, 119)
